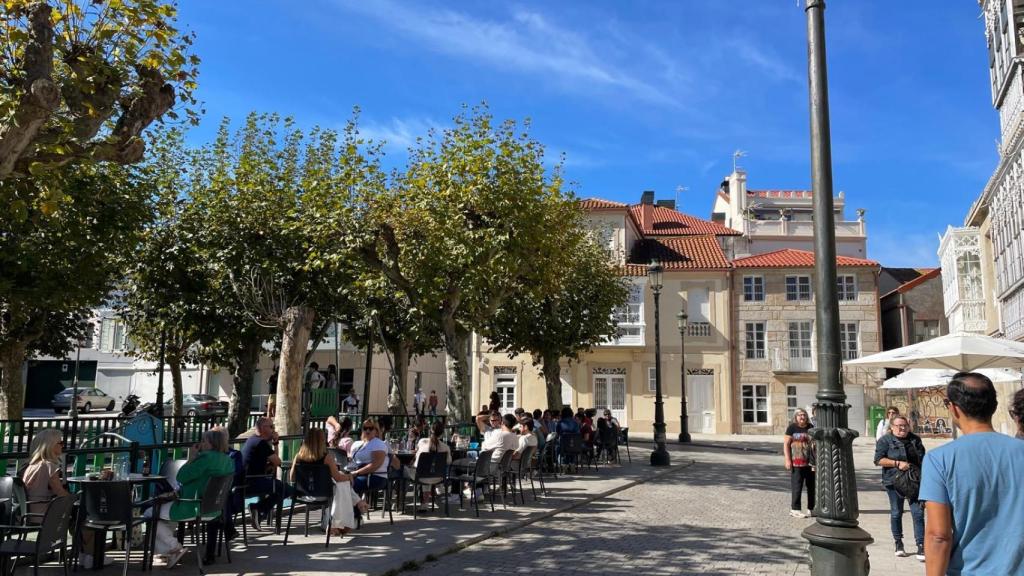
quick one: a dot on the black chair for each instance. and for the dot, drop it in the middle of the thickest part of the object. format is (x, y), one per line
(211, 507)
(570, 446)
(431, 468)
(14, 503)
(51, 535)
(247, 492)
(314, 487)
(537, 468)
(481, 475)
(108, 507)
(607, 445)
(623, 440)
(502, 475)
(547, 461)
(521, 468)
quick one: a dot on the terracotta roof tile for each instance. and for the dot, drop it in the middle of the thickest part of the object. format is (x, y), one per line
(668, 222)
(928, 274)
(591, 204)
(790, 258)
(685, 253)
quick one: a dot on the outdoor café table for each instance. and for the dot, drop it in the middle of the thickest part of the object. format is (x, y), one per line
(406, 457)
(100, 542)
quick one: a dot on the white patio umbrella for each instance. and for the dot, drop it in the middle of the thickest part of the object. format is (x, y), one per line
(958, 352)
(918, 378)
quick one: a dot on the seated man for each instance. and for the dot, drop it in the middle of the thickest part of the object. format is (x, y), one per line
(261, 464)
(527, 437)
(498, 434)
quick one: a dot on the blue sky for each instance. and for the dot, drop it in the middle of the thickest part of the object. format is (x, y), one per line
(642, 94)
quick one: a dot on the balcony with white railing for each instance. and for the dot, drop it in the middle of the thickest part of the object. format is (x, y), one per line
(846, 229)
(784, 361)
(698, 329)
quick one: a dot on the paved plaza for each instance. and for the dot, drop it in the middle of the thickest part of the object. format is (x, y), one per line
(721, 509)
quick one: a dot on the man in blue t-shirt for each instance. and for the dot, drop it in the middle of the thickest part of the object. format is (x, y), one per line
(974, 490)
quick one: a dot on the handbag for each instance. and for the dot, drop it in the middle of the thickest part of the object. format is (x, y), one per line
(908, 482)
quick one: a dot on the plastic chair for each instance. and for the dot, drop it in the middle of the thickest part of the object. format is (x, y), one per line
(502, 474)
(481, 475)
(212, 506)
(108, 507)
(570, 446)
(314, 487)
(51, 535)
(431, 469)
(522, 467)
(608, 445)
(624, 441)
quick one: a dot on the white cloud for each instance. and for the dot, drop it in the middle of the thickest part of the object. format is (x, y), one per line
(765, 60)
(528, 42)
(397, 134)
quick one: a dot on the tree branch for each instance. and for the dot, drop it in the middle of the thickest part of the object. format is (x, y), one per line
(40, 97)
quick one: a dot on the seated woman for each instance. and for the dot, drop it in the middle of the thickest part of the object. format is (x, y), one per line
(42, 475)
(369, 460)
(207, 459)
(339, 434)
(431, 443)
(313, 451)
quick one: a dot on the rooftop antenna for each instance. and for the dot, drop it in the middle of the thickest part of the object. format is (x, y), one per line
(735, 158)
(679, 190)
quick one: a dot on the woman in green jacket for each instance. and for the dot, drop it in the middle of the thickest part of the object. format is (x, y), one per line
(208, 459)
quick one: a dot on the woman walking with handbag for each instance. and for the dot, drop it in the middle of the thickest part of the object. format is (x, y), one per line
(900, 453)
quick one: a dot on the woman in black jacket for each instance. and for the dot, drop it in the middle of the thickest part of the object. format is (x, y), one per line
(899, 450)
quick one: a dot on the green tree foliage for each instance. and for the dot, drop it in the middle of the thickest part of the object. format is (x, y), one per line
(277, 202)
(82, 79)
(166, 287)
(57, 261)
(459, 228)
(566, 315)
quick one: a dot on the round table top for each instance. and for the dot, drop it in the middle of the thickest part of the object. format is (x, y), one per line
(133, 477)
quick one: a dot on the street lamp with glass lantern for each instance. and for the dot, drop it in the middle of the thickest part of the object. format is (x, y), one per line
(684, 421)
(660, 455)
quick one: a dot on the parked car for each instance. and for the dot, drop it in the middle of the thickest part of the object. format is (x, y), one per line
(88, 398)
(199, 405)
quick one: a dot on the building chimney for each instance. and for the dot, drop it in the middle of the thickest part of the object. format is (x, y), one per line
(646, 210)
(670, 204)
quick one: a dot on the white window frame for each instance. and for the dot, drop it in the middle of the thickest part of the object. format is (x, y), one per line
(755, 388)
(506, 381)
(753, 288)
(792, 402)
(757, 337)
(801, 288)
(846, 289)
(805, 361)
(631, 316)
(847, 351)
(113, 335)
(652, 384)
(922, 326)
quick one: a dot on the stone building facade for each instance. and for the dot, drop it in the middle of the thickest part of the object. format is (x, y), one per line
(776, 352)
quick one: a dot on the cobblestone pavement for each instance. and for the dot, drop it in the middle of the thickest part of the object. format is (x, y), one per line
(727, 514)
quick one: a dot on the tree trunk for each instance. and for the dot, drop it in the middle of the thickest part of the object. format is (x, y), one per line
(553, 380)
(174, 363)
(456, 341)
(399, 394)
(12, 392)
(297, 325)
(243, 369)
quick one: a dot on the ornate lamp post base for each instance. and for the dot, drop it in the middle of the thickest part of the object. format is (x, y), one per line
(838, 549)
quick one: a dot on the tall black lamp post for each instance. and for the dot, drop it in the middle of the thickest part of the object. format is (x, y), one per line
(684, 420)
(160, 374)
(660, 455)
(838, 544)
